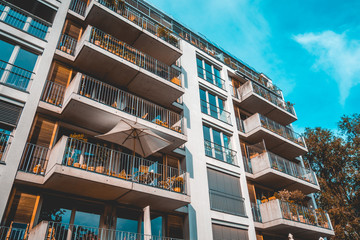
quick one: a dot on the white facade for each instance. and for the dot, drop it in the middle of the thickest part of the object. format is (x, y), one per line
(219, 181)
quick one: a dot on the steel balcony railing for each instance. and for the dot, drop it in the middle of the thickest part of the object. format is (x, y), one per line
(4, 143)
(247, 164)
(240, 124)
(63, 231)
(282, 130)
(256, 212)
(291, 168)
(227, 203)
(95, 158)
(219, 152)
(34, 159)
(14, 76)
(24, 20)
(273, 98)
(67, 44)
(126, 102)
(211, 77)
(10, 233)
(215, 111)
(160, 31)
(78, 6)
(134, 56)
(53, 93)
(298, 213)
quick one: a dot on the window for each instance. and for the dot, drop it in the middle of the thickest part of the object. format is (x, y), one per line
(225, 193)
(209, 73)
(228, 233)
(217, 145)
(16, 65)
(214, 106)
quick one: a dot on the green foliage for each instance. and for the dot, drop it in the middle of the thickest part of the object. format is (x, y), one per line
(335, 157)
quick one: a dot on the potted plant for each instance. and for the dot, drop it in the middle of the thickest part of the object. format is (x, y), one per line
(102, 155)
(70, 161)
(163, 32)
(173, 40)
(179, 184)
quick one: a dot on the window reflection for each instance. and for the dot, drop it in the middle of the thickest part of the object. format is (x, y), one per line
(156, 226)
(127, 220)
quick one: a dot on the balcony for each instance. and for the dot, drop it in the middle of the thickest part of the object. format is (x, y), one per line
(219, 152)
(4, 144)
(284, 218)
(87, 98)
(215, 112)
(141, 32)
(276, 172)
(279, 139)
(124, 65)
(257, 99)
(14, 76)
(12, 233)
(23, 20)
(62, 231)
(92, 170)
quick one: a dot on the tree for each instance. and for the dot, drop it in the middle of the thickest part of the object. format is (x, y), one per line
(335, 158)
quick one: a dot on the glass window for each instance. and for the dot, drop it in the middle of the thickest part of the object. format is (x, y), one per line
(218, 145)
(228, 233)
(217, 78)
(127, 220)
(208, 73)
(206, 133)
(213, 108)
(87, 219)
(203, 103)
(200, 68)
(156, 226)
(26, 60)
(6, 51)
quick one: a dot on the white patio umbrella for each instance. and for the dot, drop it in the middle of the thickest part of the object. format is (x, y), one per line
(135, 137)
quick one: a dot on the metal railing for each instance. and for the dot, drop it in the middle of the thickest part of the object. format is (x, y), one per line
(240, 124)
(102, 160)
(63, 231)
(143, 22)
(298, 213)
(4, 143)
(25, 21)
(291, 168)
(219, 152)
(273, 98)
(211, 77)
(126, 102)
(78, 6)
(10, 233)
(247, 164)
(34, 159)
(14, 76)
(227, 203)
(282, 130)
(255, 209)
(215, 111)
(134, 56)
(53, 93)
(67, 44)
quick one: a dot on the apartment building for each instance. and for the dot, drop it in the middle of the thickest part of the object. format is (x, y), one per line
(117, 122)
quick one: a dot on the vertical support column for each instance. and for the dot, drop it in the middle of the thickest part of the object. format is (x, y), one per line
(27, 24)
(147, 223)
(9, 66)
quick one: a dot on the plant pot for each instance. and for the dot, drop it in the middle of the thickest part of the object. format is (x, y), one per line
(77, 165)
(91, 169)
(83, 166)
(97, 42)
(272, 198)
(37, 169)
(70, 161)
(177, 189)
(99, 169)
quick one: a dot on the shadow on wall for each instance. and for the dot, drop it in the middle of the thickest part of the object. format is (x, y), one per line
(189, 162)
(192, 223)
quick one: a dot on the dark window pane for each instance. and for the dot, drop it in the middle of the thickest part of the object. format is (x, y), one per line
(217, 78)
(208, 72)
(156, 226)
(213, 109)
(26, 60)
(200, 68)
(6, 50)
(203, 101)
(217, 145)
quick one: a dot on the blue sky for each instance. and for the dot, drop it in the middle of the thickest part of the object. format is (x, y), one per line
(310, 49)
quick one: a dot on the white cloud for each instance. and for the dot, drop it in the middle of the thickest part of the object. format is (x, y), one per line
(337, 55)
